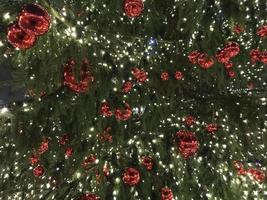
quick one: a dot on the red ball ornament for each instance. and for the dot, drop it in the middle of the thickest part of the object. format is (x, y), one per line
(89, 196)
(255, 55)
(69, 152)
(127, 86)
(64, 139)
(231, 74)
(147, 161)
(232, 49)
(228, 65)
(19, 38)
(212, 128)
(164, 76)
(190, 120)
(238, 29)
(188, 143)
(262, 31)
(204, 61)
(192, 57)
(44, 146)
(34, 19)
(166, 194)
(222, 56)
(133, 8)
(178, 75)
(257, 174)
(131, 176)
(263, 57)
(38, 171)
(140, 75)
(123, 114)
(105, 110)
(34, 159)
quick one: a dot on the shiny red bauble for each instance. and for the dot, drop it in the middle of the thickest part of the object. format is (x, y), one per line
(131, 176)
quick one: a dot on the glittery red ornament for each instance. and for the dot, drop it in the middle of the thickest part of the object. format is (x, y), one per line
(19, 38)
(34, 19)
(127, 86)
(212, 128)
(231, 74)
(131, 176)
(139, 74)
(204, 61)
(34, 159)
(38, 171)
(178, 75)
(64, 139)
(188, 143)
(89, 161)
(255, 55)
(190, 120)
(238, 29)
(262, 31)
(89, 196)
(69, 79)
(147, 161)
(69, 152)
(263, 57)
(123, 114)
(164, 76)
(222, 56)
(44, 146)
(133, 8)
(105, 110)
(192, 57)
(228, 65)
(232, 49)
(166, 194)
(257, 174)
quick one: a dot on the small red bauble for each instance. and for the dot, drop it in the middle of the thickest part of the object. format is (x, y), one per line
(263, 57)
(19, 38)
(38, 171)
(188, 143)
(178, 75)
(164, 76)
(34, 19)
(232, 48)
(262, 31)
(131, 176)
(166, 194)
(133, 8)
(123, 114)
(89, 161)
(127, 86)
(69, 152)
(192, 57)
(139, 74)
(255, 55)
(190, 120)
(239, 168)
(64, 139)
(212, 128)
(34, 159)
(44, 146)
(231, 74)
(257, 174)
(228, 65)
(89, 196)
(105, 110)
(238, 29)
(204, 61)
(147, 161)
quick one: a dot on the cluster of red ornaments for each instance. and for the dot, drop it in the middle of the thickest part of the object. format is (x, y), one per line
(177, 75)
(202, 59)
(258, 56)
(70, 81)
(33, 21)
(120, 114)
(133, 8)
(256, 174)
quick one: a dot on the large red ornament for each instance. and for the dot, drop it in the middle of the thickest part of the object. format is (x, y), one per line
(127, 86)
(38, 171)
(178, 75)
(89, 196)
(131, 176)
(166, 194)
(164, 76)
(34, 19)
(69, 78)
(44, 146)
(262, 31)
(19, 38)
(147, 161)
(212, 128)
(204, 61)
(188, 143)
(123, 114)
(139, 74)
(133, 8)
(105, 110)
(192, 57)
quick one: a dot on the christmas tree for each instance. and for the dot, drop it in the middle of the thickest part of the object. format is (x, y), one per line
(135, 100)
